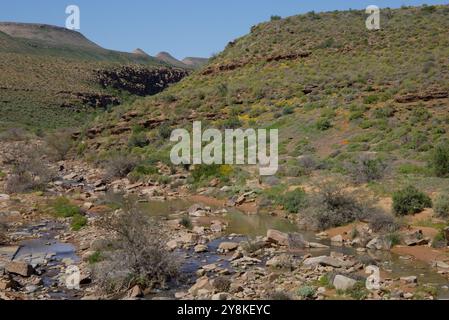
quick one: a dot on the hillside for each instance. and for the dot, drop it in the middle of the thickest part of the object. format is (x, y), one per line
(195, 62)
(334, 90)
(53, 77)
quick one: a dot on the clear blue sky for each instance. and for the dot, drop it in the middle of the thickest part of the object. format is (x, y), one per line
(181, 27)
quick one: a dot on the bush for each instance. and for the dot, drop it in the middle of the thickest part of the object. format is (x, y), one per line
(29, 173)
(380, 222)
(410, 201)
(294, 200)
(367, 169)
(78, 222)
(63, 208)
(323, 124)
(275, 18)
(119, 166)
(13, 134)
(332, 207)
(307, 292)
(186, 222)
(139, 255)
(59, 144)
(139, 140)
(439, 161)
(441, 206)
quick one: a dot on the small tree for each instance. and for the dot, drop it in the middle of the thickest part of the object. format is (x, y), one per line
(139, 255)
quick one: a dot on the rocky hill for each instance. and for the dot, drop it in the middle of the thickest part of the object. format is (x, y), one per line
(50, 76)
(334, 89)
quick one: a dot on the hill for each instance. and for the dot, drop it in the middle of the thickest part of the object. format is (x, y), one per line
(195, 62)
(53, 77)
(334, 89)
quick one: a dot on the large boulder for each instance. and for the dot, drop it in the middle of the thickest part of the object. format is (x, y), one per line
(20, 268)
(278, 237)
(344, 283)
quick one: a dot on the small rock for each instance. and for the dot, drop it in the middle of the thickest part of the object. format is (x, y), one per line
(4, 197)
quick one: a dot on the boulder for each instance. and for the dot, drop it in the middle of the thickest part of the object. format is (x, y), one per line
(278, 237)
(172, 245)
(415, 239)
(201, 248)
(379, 243)
(135, 292)
(20, 268)
(228, 246)
(201, 283)
(446, 234)
(296, 241)
(326, 261)
(344, 283)
(282, 261)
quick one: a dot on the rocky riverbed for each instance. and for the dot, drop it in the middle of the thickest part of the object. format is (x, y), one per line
(229, 249)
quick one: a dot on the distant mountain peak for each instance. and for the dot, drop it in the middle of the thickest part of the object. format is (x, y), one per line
(140, 52)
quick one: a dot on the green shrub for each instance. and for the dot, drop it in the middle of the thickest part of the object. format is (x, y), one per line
(367, 169)
(307, 292)
(139, 140)
(78, 222)
(359, 291)
(119, 166)
(186, 222)
(95, 258)
(62, 207)
(410, 201)
(275, 18)
(441, 206)
(439, 161)
(323, 124)
(332, 207)
(294, 200)
(370, 99)
(395, 238)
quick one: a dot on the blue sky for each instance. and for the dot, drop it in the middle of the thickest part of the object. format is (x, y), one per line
(181, 27)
